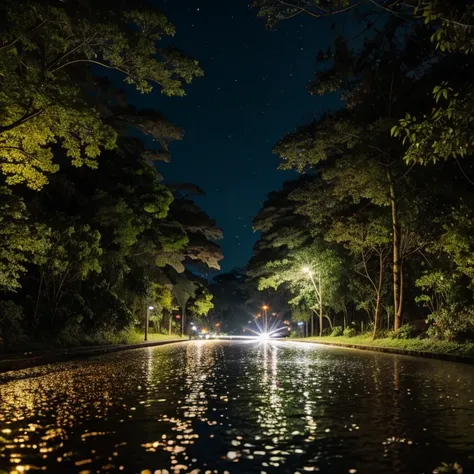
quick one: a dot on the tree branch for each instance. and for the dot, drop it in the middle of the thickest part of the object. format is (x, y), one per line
(13, 42)
(463, 172)
(107, 66)
(67, 53)
(21, 121)
(319, 15)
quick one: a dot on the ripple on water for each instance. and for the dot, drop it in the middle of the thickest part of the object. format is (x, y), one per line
(220, 407)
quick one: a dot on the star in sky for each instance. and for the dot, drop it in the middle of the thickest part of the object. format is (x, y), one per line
(230, 131)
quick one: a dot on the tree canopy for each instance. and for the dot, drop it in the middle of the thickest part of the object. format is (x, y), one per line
(51, 54)
(406, 92)
(90, 235)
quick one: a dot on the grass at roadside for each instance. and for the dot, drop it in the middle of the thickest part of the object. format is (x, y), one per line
(102, 338)
(127, 336)
(426, 345)
(138, 337)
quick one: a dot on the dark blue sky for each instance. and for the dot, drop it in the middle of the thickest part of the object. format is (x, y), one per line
(253, 92)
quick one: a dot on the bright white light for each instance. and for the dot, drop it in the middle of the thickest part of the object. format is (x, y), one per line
(307, 270)
(264, 336)
(150, 307)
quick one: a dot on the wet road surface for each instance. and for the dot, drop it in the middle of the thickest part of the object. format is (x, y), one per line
(238, 407)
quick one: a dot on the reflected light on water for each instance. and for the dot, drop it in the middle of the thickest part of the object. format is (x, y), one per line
(216, 407)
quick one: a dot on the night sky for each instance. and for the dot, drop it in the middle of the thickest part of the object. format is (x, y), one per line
(253, 92)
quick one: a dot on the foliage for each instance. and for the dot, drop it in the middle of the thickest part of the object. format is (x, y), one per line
(11, 324)
(22, 240)
(201, 250)
(300, 313)
(452, 322)
(337, 331)
(449, 468)
(419, 345)
(450, 19)
(103, 262)
(47, 54)
(439, 289)
(447, 133)
(406, 331)
(349, 332)
(202, 303)
(457, 240)
(162, 296)
(100, 242)
(381, 217)
(290, 272)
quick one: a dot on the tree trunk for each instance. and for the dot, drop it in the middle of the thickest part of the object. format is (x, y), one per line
(169, 323)
(397, 293)
(400, 303)
(320, 305)
(147, 318)
(378, 303)
(183, 318)
(329, 321)
(38, 296)
(376, 317)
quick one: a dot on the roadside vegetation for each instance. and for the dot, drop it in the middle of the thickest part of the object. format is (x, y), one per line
(376, 235)
(415, 344)
(90, 237)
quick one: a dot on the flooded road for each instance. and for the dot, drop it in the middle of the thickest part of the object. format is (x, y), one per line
(238, 407)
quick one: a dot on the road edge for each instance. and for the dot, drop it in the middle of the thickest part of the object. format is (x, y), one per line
(9, 365)
(391, 350)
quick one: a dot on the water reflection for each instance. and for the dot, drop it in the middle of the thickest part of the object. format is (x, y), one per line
(215, 407)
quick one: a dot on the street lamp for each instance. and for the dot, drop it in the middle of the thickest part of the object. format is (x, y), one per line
(265, 320)
(150, 308)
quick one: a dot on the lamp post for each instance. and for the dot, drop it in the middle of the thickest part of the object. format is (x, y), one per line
(319, 295)
(149, 308)
(265, 317)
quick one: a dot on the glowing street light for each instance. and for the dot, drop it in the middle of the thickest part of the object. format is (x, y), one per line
(307, 270)
(265, 319)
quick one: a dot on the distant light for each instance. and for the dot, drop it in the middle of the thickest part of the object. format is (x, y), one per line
(150, 307)
(264, 307)
(307, 270)
(300, 323)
